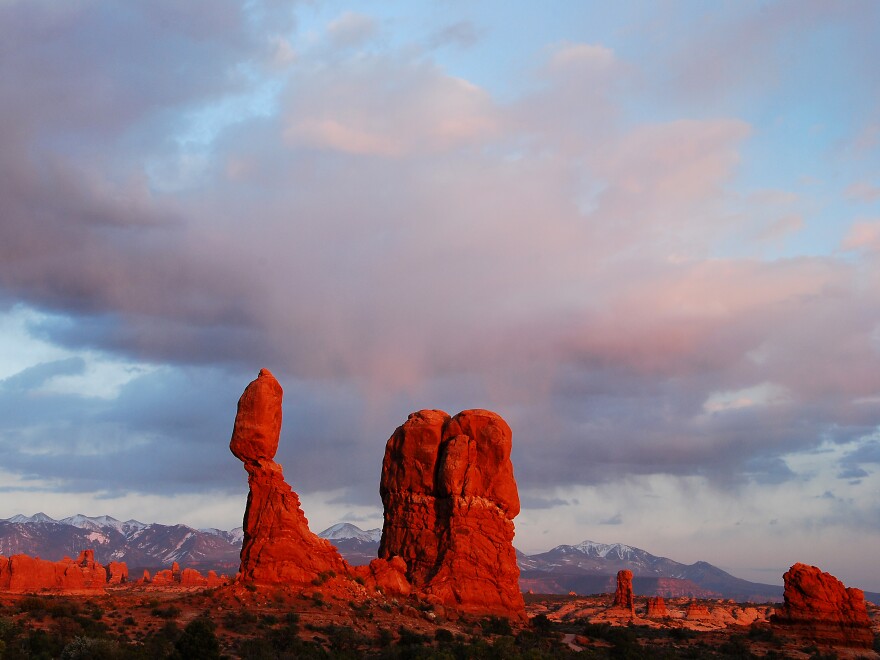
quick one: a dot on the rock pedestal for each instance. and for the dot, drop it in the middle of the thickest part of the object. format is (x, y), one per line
(278, 546)
(450, 498)
(623, 595)
(820, 608)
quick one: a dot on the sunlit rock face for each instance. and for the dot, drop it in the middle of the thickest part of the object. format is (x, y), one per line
(21, 573)
(278, 546)
(656, 608)
(623, 595)
(117, 572)
(820, 608)
(450, 498)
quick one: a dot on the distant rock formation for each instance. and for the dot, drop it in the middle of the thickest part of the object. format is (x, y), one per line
(820, 608)
(450, 498)
(117, 572)
(623, 595)
(698, 612)
(278, 546)
(21, 573)
(657, 608)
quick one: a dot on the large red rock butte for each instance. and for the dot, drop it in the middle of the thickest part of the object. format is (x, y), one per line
(820, 608)
(21, 573)
(278, 546)
(623, 595)
(450, 498)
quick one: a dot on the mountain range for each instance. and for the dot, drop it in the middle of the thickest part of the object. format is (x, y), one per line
(584, 568)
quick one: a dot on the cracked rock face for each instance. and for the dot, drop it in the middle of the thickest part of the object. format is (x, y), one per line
(819, 607)
(450, 498)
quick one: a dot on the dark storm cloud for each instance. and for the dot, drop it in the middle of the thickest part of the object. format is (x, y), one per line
(38, 374)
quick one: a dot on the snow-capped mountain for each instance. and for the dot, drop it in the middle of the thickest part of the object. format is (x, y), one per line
(140, 545)
(568, 566)
(587, 567)
(356, 545)
(345, 530)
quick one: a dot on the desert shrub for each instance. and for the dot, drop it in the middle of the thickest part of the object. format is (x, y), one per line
(323, 576)
(411, 637)
(735, 647)
(496, 625)
(198, 641)
(129, 621)
(89, 648)
(170, 612)
(40, 645)
(444, 636)
(256, 649)
(239, 621)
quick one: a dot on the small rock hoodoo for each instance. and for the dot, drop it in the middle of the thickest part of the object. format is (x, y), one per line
(450, 498)
(623, 595)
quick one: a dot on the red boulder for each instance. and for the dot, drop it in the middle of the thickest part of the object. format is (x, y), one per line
(450, 498)
(820, 608)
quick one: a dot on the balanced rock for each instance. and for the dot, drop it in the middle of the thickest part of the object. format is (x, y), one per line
(278, 546)
(450, 497)
(820, 608)
(623, 595)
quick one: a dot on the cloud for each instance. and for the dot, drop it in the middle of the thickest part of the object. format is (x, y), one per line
(35, 376)
(351, 29)
(387, 236)
(580, 56)
(379, 106)
(862, 191)
(461, 34)
(863, 236)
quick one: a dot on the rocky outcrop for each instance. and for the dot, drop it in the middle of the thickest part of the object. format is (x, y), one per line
(818, 607)
(117, 572)
(450, 498)
(278, 546)
(21, 573)
(623, 595)
(657, 608)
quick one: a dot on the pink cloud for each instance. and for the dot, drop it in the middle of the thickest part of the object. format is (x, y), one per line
(863, 236)
(379, 107)
(862, 191)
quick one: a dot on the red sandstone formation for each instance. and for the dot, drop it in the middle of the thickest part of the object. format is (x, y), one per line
(278, 546)
(657, 608)
(820, 608)
(163, 578)
(623, 596)
(190, 577)
(21, 573)
(450, 498)
(697, 612)
(117, 572)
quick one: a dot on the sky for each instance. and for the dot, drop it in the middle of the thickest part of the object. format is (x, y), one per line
(647, 234)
